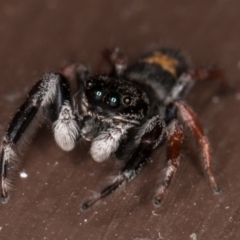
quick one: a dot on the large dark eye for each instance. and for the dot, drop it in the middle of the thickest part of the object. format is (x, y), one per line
(113, 100)
(97, 93)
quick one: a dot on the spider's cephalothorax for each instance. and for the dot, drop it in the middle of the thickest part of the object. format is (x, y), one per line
(111, 106)
(126, 113)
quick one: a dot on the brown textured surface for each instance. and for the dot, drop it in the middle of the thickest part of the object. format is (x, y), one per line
(38, 36)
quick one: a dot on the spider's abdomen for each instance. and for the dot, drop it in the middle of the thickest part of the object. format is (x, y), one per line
(159, 69)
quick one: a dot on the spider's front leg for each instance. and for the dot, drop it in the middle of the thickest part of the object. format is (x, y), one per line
(150, 136)
(50, 96)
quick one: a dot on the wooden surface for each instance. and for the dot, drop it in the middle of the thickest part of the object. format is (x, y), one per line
(39, 36)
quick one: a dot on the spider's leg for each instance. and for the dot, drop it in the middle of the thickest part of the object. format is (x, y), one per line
(150, 136)
(210, 73)
(116, 59)
(190, 119)
(76, 71)
(187, 80)
(174, 140)
(49, 95)
(180, 89)
(79, 73)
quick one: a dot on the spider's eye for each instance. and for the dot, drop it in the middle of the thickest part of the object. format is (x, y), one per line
(127, 100)
(89, 84)
(113, 100)
(97, 93)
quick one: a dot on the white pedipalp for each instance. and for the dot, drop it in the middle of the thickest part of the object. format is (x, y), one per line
(65, 128)
(107, 142)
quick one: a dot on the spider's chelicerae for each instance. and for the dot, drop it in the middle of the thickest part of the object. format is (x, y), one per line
(127, 113)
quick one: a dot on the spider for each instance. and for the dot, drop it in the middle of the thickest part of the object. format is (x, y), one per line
(127, 113)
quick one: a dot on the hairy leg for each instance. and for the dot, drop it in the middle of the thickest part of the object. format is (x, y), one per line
(190, 119)
(150, 136)
(49, 96)
(116, 59)
(187, 80)
(174, 141)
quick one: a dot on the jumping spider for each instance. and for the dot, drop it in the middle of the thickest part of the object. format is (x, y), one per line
(127, 113)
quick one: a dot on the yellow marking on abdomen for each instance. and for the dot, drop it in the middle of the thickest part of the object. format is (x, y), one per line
(166, 62)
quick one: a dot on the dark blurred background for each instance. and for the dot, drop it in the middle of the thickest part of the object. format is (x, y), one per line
(39, 36)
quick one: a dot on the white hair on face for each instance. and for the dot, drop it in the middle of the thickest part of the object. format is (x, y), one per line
(107, 142)
(65, 128)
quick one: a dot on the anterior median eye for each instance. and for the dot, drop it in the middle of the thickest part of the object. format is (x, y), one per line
(113, 100)
(97, 93)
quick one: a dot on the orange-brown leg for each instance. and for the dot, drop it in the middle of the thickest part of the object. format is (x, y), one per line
(174, 141)
(216, 74)
(192, 122)
(201, 74)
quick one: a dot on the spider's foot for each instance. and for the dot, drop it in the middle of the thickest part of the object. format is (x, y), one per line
(85, 206)
(157, 202)
(217, 190)
(119, 180)
(4, 190)
(4, 199)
